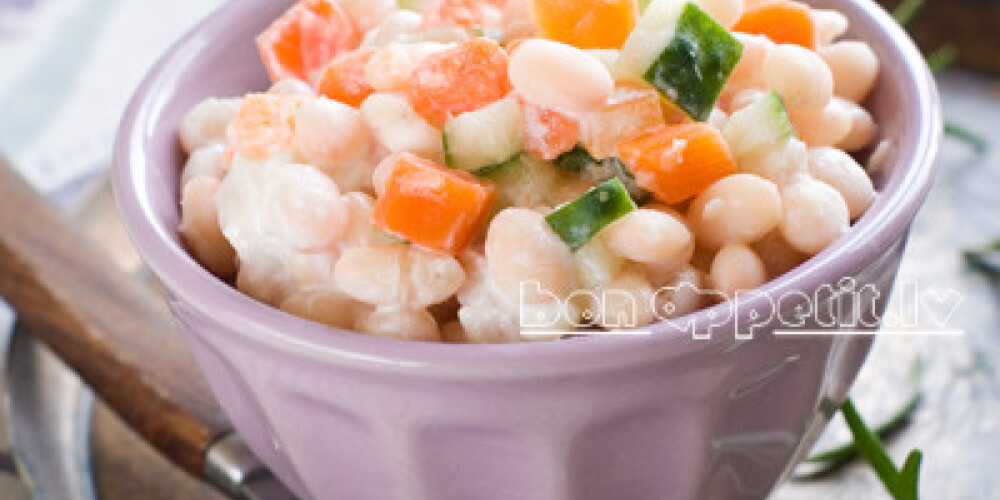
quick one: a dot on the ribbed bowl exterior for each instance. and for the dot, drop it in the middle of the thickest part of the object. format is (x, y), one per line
(720, 422)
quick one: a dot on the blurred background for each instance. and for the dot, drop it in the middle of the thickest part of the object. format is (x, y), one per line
(68, 68)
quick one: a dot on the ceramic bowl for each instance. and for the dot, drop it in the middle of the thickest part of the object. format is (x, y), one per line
(339, 415)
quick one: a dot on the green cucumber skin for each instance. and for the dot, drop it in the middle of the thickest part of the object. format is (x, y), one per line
(780, 112)
(695, 66)
(580, 220)
(499, 169)
(449, 161)
(575, 160)
(579, 161)
(761, 125)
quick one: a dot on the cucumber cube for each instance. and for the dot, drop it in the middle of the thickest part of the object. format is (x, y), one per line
(523, 181)
(759, 127)
(487, 136)
(652, 34)
(580, 220)
(696, 63)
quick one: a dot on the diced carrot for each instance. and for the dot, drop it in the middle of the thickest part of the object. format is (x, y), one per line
(547, 132)
(305, 38)
(344, 79)
(431, 206)
(677, 162)
(458, 80)
(465, 13)
(632, 108)
(264, 125)
(782, 21)
(672, 113)
(587, 24)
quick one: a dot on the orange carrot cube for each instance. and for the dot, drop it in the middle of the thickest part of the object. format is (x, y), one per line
(782, 21)
(307, 37)
(344, 79)
(587, 24)
(634, 107)
(263, 126)
(547, 132)
(431, 206)
(464, 13)
(461, 79)
(677, 162)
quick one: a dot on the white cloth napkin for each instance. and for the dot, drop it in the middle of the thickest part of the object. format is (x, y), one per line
(68, 70)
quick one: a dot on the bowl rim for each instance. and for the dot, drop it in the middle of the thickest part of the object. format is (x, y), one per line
(191, 286)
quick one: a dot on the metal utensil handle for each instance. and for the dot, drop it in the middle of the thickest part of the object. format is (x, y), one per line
(110, 329)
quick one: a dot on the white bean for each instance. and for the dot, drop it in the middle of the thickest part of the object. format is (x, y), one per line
(725, 12)
(737, 268)
(781, 165)
(399, 128)
(539, 319)
(395, 27)
(264, 277)
(487, 315)
(519, 20)
(679, 294)
(332, 136)
(652, 237)
(302, 208)
(825, 126)
(291, 86)
(263, 273)
(854, 66)
(360, 230)
(380, 177)
(206, 123)
(625, 302)
(843, 173)
(607, 57)
(558, 76)
(830, 25)
(741, 208)
(325, 306)
(399, 323)
(368, 13)
(208, 161)
(488, 325)
(596, 264)
(799, 76)
(522, 248)
(312, 270)
(815, 215)
(397, 275)
(881, 157)
(863, 130)
(749, 71)
(440, 34)
(199, 227)
(389, 68)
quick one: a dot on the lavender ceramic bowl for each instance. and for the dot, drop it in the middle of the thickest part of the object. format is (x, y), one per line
(343, 416)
